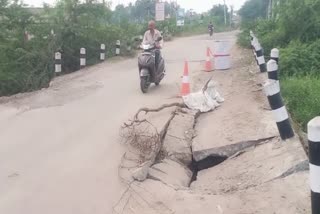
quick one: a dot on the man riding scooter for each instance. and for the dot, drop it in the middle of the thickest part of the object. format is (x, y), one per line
(151, 64)
(151, 36)
(210, 28)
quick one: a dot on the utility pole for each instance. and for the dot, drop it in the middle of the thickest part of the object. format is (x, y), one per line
(231, 15)
(225, 13)
(270, 8)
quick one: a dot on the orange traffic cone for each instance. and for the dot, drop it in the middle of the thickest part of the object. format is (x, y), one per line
(185, 88)
(208, 65)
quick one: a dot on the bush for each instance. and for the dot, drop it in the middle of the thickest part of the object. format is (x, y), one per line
(297, 36)
(244, 39)
(302, 96)
(300, 59)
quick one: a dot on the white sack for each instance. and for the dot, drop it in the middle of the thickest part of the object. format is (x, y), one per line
(206, 101)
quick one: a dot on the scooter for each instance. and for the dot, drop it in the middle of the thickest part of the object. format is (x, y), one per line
(148, 70)
(210, 32)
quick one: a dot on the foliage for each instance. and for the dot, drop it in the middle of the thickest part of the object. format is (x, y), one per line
(302, 96)
(299, 20)
(23, 66)
(295, 29)
(217, 13)
(253, 9)
(300, 59)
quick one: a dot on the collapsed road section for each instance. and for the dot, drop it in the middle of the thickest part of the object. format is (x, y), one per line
(230, 160)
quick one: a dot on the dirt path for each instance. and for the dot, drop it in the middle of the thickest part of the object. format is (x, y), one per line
(59, 150)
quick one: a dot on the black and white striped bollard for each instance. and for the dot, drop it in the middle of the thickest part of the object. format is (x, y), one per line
(118, 46)
(251, 34)
(57, 62)
(275, 55)
(272, 68)
(254, 45)
(102, 52)
(252, 41)
(314, 163)
(128, 47)
(272, 90)
(260, 58)
(82, 57)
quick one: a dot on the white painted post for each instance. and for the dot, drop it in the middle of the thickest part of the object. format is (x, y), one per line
(57, 58)
(254, 45)
(82, 57)
(118, 45)
(275, 55)
(128, 47)
(272, 90)
(272, 68)
(260, 58)
(314, 163)
(102, 52)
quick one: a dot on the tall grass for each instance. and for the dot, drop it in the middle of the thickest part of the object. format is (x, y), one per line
(302, 97)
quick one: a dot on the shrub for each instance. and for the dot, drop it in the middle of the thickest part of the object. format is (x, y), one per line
(302, 96)
(300, 59)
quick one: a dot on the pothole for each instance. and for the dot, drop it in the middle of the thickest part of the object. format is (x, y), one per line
(218, 155)
(209, 162)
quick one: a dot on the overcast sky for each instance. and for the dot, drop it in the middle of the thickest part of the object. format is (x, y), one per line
(197, 5)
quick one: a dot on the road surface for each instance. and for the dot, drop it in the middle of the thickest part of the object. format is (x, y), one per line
(59, 147)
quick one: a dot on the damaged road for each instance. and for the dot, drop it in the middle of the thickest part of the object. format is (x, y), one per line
(60, 151)
(228, 161)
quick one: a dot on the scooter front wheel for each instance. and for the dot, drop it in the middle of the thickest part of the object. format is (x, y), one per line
(144, 84)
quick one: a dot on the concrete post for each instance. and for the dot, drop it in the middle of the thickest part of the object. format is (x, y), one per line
(57, 62)
(254, 44)
(128, 47)
(118, 46)
(260, 58)
(272, 90)
(102, 52)
(82, 57)
(314, 163)
(272, 68)
(275, 55)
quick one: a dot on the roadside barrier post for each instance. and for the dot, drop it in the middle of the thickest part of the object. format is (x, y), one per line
(82, 57)
(314, 163)
(128, 47)
(272, 68)
(118, 45)
(102, 52)
(57, 62)
(260, 58)
(272, 90)
(275, 55)
(254, 45)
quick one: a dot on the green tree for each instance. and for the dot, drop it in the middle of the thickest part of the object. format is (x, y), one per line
(253, 9)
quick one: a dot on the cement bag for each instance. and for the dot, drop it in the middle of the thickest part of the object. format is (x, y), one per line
(204, 101)
(213, 93)
(198, 101)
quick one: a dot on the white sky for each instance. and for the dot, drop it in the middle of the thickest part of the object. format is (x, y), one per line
(197, 5)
